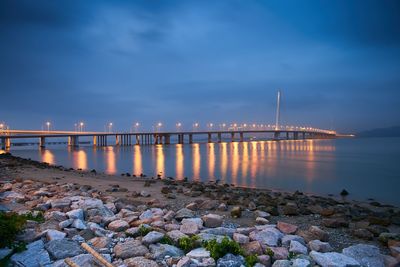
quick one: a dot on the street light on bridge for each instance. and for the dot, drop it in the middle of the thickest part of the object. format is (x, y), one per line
(109, 127)
(178, 126)
(81, 125)
(158, 126)
(48, 126)
(195, 126)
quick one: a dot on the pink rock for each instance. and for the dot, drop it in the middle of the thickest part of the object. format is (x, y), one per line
(287, 228)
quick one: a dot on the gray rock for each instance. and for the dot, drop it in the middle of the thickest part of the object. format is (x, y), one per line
(159, 251)
(301, 263)
(82, 260)
(281, 263)
(34, 256)
(118, 226)
(12, 196)
(65, 223)
(175, 235)
(288, 238)
(184, 213)
(54, 234)
(230, 260)
(189, 228)
(241, 239)
(268, 236)
(4, 252)
(198, 221)
(130, 248)
(297, 247)
(79, 224)
(207, 237)
(63, 248)
(76, 214)
(319, 246)
(220, 231)
(60, 203)
(366, 255)
(212, 220)
(333, 259)
(199, 253)
(152, 237)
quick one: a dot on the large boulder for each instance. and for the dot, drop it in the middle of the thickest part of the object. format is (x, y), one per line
(366, 255)
(129, 249)
(34, 256)
(63, 248)
(333, 259)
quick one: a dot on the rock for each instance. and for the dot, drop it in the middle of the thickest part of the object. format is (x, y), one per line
(241, 239)
(76, 214)
(385, 237)
(100, 242)
(212, 220)
(65, 223)
(175, 235)
(82, 260)
(290, 209)
(236, 212)
(140, 262)
(207, 237)
(118, 226)
(245, 230)
(220, 231)
(184, 213)
(78, 224)
(363, 234)
(159, 251)
(288, 238)
(12, 196)
(129, 249)
(54, 235)
(184, 262)
(297, 248)
(301, 263)
(34, 256)
(4, 252)
(209, 205)
(152, 237)
(335, 222)
(169, 215)
(192, 206)
(280, 253)
(27, 235)
(199, 253)
(230, 260)
(56, 215)
(269, 236)
(189, 228)
(319, 246)
(261, 221)
(145, 193)
(366, 255)
(286, 228)
(394, 251)
(281, 263)
(252, 248)
(60, 203)
(198, 221)
(262, 214)
(333, 259)
(222, 207)
(63, 248)
(319, 233)
(264, 259)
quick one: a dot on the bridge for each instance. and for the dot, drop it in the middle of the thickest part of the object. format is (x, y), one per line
(165, 137)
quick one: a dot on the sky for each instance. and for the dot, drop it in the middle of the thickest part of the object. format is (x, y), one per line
(337, 63)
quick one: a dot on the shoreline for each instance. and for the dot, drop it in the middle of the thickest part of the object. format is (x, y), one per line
(345, 222)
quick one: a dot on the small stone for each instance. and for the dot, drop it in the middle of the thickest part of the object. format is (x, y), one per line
(175, 235)
(152, 237)
(184, 262)
(319, 233)
(192, 206)
(63, 248)
(189, 228)
(75, 214)
(54, 235)
(335, 222)
(290, 209)
(130, 248)
(79, 224)
(236, 212)
(269, 236)
(319, 246)
(222, 207)
(297, 248)
(280, 253)
(286, 228)
(160, 251)
(65, 223)
(241, 239)
(199, 253)
(118, 226)
(252, 248)
(184, 213)
(140, 262)
(300, 263)
(264, 259)
(281, 263)
(144, 193)
(261, 221)
(288, 238)
(262, 214)
(363, 234)
(212, 220)
(230, 260)
(100, 242)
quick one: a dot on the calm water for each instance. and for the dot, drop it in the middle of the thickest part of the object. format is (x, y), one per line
(367, 168)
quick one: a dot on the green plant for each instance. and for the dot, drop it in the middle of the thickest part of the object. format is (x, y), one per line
(251, 260)
(166, 240)
(10, 225)
(269, 252)
(143, 230)
(38, 217)
(218, 250)
(291, 255)
(188, 243)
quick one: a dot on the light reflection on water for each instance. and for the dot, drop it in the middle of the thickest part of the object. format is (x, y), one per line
(366, 168)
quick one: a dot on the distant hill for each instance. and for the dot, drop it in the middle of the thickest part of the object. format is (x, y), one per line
(381, 132)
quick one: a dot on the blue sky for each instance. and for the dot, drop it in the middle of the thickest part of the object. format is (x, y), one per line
(336, 62)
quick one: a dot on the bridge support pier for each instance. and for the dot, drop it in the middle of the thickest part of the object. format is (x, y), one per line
(277, 135)
(295, 136)
(304, 135)
(190, 138)
(94, 140)
(73, 141)
(42, 142)
(5, 143)
(180, 138)
(241, 137)
(209, 138)
(287, 136)
(219, 137)
(167, 139)
(233, 137)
